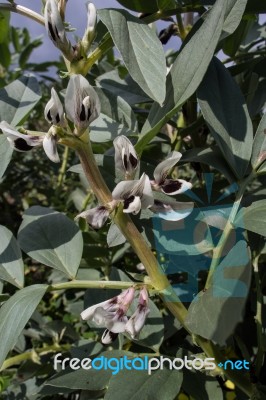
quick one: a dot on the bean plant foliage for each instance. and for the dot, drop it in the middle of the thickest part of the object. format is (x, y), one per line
(133, 210)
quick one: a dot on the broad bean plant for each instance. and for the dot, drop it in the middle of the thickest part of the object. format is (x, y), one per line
(133, 211)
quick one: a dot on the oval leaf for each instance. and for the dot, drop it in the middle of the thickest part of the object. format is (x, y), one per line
(141, 50)
(11, 263)
(5, 154)
(52, 239)
(14, 315)
(18, 98)
(253, 218)
(259, 144)
(215, 312)
(223, 107)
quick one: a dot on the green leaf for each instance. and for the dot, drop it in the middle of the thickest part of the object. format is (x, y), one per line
(18, 98)
(223, 107)
(140, 5)
(166, 4)
(5, 154)
(140, 49)
(14, 315)
(114, 236)
(135, 385)
(128, 89)
(215, 312)
(52, 239)
(5, 55)
(11, 263)
(204, 387)
(253, 218)
(186, 73)
(232, 43)
(210, 156)
(4, 26)
(90, 379)
(26, 53)
(116, 118)
(259, 146)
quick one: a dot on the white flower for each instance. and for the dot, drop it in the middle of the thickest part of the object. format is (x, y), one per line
(169, 186)
(137, 320)
(55, 28)
(22, 142)
(95, 217)
(126, 159)
(54, 112)
(135, 195)
(111, 314)
(82, 103)
(172, 211)
(90, 31)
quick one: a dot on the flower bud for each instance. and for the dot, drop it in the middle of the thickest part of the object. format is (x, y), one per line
(53, 111)
(90, 31)
(55, 28)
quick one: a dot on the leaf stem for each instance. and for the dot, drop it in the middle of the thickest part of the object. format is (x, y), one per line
(26, 12)
(219, 249)
(79, 284)
(258, 318)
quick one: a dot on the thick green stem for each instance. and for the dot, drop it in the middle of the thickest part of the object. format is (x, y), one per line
(33, 355)
(258, 318)
(91, 285)
(219, 250)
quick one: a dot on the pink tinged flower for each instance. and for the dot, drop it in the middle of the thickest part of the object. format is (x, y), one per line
(172, 211)
(111, 314)
(126, 159)
(54, 112)
(55, 28)
(135, 195)
(137, 320)
(82, 103)
(169, 186)
(95, 217)
(22, 142)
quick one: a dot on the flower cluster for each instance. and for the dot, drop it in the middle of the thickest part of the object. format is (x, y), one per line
(137, 194)
(111, 314)
(82, 106)
(56, 30)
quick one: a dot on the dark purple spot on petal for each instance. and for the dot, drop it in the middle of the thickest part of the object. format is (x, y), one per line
(125, 161)
(21, 145)
(49, 117)
(171, 186)
(51, 31)
(128, 201)
(133, 160)
(82, 114)
(57, 118)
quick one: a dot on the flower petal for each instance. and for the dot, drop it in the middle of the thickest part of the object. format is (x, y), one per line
(108, 337)
(132, 205)
(172, 187)
(126, 159)
(95, 217)
(20, 141)
(172, 211)
(136, 188)
(162, 169)
(55, 28)
(53, 111)
(82, 103)
(49, 146)
(110, 304)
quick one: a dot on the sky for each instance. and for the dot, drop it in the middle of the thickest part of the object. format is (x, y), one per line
(76, 15)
